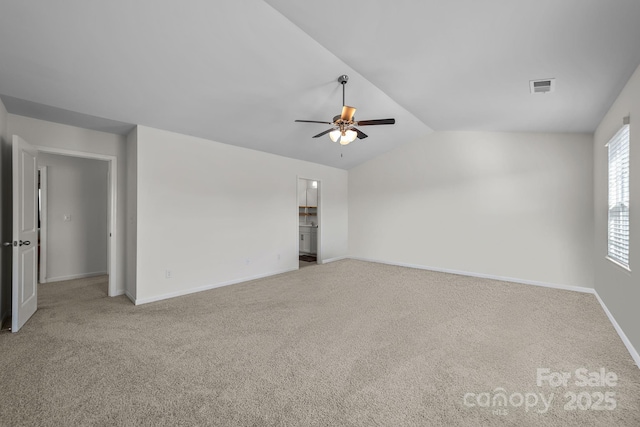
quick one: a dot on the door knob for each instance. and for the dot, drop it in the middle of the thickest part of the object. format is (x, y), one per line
(7, 244)
(25, 243)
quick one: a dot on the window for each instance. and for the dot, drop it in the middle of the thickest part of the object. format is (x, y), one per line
(618, 224)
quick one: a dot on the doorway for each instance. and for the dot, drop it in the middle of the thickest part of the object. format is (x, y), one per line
(111, 223)
(73, 218)
(308, 222)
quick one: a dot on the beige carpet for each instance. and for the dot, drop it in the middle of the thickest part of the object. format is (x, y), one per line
(347, 343)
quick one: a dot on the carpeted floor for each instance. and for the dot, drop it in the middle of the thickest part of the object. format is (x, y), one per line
(346, 343)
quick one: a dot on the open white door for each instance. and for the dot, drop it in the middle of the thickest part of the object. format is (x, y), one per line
(25, 233)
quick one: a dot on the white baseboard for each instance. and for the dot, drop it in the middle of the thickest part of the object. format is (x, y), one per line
(623, 336)
(118, 293)
(327, 261)
(131, 298)
(632, 351)
(484, 276)
(75, 276)
(139, 301)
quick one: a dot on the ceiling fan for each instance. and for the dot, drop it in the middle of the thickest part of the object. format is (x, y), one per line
(344, 129)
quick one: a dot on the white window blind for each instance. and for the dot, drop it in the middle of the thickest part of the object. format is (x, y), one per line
(618, 246)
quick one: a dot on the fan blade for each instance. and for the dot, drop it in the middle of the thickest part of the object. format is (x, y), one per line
(325, 132)
(361, 135)
(376, 122)
(313, 121)
(347, 113)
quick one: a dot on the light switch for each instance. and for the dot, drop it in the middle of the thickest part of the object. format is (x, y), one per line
(66, 217)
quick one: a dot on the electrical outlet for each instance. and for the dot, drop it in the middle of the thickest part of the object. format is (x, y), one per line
(167, 274)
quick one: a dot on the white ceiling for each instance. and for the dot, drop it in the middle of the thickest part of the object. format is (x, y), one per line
(240, 72)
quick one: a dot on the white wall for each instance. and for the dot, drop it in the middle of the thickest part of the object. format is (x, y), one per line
(5, 215)
(76, 187)
(131, 229)
(618, 288)
(205, 208)
(508, 205)
(54, 135)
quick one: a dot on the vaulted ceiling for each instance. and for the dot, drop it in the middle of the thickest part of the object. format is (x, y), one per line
(240, 72)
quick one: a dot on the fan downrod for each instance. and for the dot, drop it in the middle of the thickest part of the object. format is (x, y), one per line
(343, 79)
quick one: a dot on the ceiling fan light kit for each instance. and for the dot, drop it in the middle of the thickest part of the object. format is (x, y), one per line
(344, 137)
(344, 129)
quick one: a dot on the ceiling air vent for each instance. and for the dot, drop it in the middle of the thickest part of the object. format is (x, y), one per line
(542, 86)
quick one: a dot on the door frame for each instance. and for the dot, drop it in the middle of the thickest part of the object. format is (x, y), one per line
(112, 205)
(42, 254)
(319, 233)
